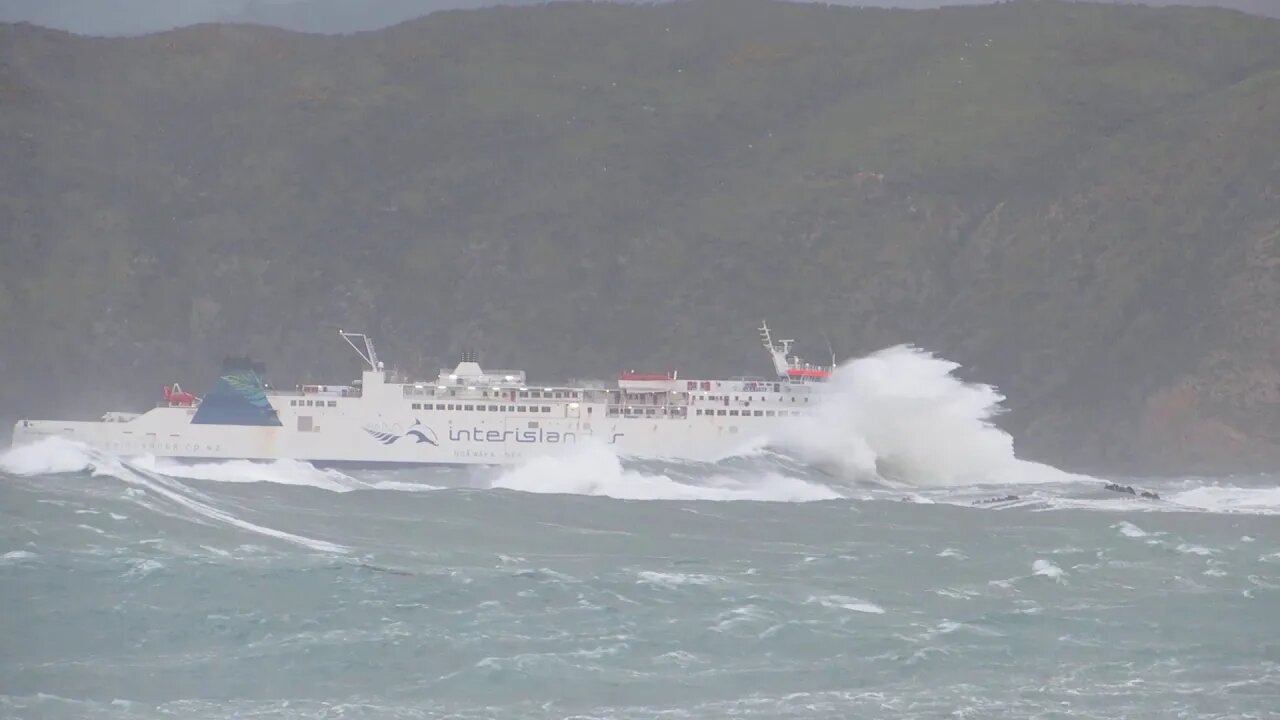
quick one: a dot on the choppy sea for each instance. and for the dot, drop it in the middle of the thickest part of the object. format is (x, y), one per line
(585, 586)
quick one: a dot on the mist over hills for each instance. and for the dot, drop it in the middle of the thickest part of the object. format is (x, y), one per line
(1078, 203)
(136, 17)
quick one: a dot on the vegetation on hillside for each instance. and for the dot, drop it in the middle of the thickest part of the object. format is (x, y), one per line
(1079, 203)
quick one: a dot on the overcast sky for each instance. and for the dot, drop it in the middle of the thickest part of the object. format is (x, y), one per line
(131, 17)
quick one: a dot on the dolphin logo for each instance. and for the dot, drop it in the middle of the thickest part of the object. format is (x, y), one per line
(422, 434)
(419, 432)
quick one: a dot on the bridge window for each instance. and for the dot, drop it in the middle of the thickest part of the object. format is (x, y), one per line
(469, 407)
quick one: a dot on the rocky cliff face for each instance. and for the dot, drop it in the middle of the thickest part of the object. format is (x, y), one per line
(1081, 204)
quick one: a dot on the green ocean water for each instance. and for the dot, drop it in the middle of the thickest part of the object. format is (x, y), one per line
(592, 588)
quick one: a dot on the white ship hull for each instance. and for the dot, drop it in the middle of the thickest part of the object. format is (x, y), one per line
(342, 439)
(466, 416)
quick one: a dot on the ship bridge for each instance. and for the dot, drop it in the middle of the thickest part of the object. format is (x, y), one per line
(469, 373)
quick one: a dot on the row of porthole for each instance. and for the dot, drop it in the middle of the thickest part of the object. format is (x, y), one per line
(747, 413)
(191, 447)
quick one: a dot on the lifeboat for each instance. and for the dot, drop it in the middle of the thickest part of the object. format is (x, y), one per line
(175, 396)
(650, 382)
(808, 373)
(645, 377)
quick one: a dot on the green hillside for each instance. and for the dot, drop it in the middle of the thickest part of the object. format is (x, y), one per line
(1079, 203)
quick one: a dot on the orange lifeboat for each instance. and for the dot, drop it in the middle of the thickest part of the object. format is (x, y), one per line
(176, 397)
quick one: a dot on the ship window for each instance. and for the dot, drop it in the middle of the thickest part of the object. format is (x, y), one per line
(733, 413)
(417, 406)
(770, 413)
(493, 408)
(533, 423)
(293, 403)
(546, 408)
(719, 412)
(759, 413)
(469, 407)
(588, 411)
(333, 403)
(451, 407)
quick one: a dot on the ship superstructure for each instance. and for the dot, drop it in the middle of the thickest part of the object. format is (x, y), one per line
(466, 415)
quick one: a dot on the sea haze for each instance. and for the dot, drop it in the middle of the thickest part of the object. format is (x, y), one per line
(901, 563)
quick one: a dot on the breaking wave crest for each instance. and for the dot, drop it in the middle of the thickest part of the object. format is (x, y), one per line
(591, 469)
(900, 416)
(54, 456)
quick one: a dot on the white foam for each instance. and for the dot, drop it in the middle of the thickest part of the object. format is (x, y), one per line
(844, 602)
(900, 415)
(1230, 499)
(15, 556)
(672, 580)
(593, 469)
(404, 486)
(1047, 569)
(1128, 529)
(1188, 549)
(49, 456)
(57, 455)
(280, 472)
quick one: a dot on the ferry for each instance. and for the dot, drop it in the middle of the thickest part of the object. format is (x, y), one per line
(467, 415)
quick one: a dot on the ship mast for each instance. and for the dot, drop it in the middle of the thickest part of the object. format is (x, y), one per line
(369, 354)
(787, 365)
(777, 352)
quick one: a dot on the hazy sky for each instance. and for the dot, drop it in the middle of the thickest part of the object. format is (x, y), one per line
(128, 17)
